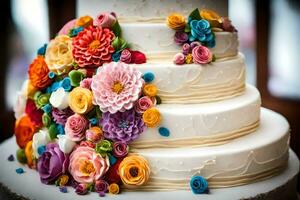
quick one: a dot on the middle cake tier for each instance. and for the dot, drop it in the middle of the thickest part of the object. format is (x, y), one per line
(204, 124)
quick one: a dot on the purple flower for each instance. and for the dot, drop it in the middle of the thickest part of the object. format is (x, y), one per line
(122, 126)
(61, 116)
(52, 163)
(101, 186)
(186, 48)
(180, 37)
(194, 44)
(81, 189)
(120, 149)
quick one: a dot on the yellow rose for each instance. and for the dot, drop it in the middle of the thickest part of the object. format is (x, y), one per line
(151, 117)
(114, 188)
(176, 21)
(134, 171)
(80, 100)
(84, 21)
(212, 17)
(59, 57)
(150, 90)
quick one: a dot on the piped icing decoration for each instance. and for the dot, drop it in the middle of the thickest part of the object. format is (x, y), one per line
(148, 77)
(199, 185)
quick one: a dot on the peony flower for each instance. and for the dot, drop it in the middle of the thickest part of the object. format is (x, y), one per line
(180, 37)
(150, 90)
(212, 17)
(186, 48)
(67, 27)
(137, 57)
(134, 171)
(94, 134)
(66, 145)
(143, 104)
(199, 185)
(84, 21)
(86, 83)
(59, 99)
(34, 113)
(202, 55)
(61, 116)
(52, 163)
(92, 46)
(151, 117)
(201, 31)
(86, 166)
(122, 126)
(80, 100)
(116, 87)
(24, 130)
(176, 21)
(125, 56)
(41, 138)
(59, 57)
(120, 149)
(179, 59)
(38, 73)
(113, 188)
(75, 127)
(105, 20)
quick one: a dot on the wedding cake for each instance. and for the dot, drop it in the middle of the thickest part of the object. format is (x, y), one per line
(146, 96)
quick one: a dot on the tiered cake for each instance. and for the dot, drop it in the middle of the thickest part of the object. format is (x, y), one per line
(163, 79)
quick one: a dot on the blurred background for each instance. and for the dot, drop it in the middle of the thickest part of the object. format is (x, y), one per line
(268, 31)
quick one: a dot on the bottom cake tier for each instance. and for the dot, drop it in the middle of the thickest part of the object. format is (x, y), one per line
(257, 156)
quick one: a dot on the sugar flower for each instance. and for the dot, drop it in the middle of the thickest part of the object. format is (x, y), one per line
(34, 113)
(65, 144)
(75, 127)
(24, 130)
(151, 117)
(179, 59)
(29, 155)
(101, 186)
(143, 104)
(125, 56)
(180, 37)
(84, 21)
(116, 87)
(38, 73)
(176, 21)
(199, 185)
(80, 100)
(212, 17)
(120, 149)
(41, 138)
(94, 134)
(59, 99)
(202, 55)
(113, 188)
(20, 104)
(61, 116)
(201, 31)
(105, 20)
(67, 27)
(150, 90)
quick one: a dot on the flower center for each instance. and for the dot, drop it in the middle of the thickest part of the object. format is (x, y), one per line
(134, 171)
(95, 44)
(87, 167)
(117, 87)
(123, 124)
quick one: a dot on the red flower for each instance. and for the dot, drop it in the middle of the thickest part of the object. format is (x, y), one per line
(92, 46)
(137, 57)
(34, 113)
(112, 175)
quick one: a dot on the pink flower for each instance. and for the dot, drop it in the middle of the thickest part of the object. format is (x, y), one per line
(86, 166)
(179, 59)
(105, 20)
(202, 55)
(125, 56)
(116, 87)
(86, 83)
(75, 127)
(186, 48)
(143, 104)
(67, 27)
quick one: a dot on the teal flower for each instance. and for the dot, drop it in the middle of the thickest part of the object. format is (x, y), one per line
(199, 185)
(201, 31)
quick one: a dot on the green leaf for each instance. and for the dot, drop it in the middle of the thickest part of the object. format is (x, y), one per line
(187, 28)
(116, 28)
(195, 15)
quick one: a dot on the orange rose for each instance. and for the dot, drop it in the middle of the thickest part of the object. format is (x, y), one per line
(29, 154)
(151, 117)
(84, 21)
(176, 21)
(212, 17)
(150, 90)
(38, 73)
(24, 130)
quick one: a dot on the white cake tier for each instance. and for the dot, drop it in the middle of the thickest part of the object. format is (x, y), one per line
(194, 83)
(205, 124)
(157, 41)
(251, 158)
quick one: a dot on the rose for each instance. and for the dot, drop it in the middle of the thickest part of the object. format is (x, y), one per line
(134, 171)
(39, 139)
(52, 163)
(143, 104)
(227, 25)
(24, 130)
(105, 20)
(66, 145)
(126, 56)
(61, 116)
(38, 73)
(59, 99)
(179, 59)
(199, 185)
(80, 100)
(120, 149)
(212, 17)
(180, 37)
(114, 188)
(86, 166)
(194, 44)
(84, 21)
(59, 57)
(101, 186)
(202, 55)
(81, 189)
(86, 83)
(176, 21)
(201, 30)
(137, 57)
(75, 127)
(186, 48)
(29, 155)
(150, 90)
(34, 113)
(94, 134)
(87, 143)
(151, 117)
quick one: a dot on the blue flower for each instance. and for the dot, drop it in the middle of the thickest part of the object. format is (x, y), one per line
(201, 30)
(66, 84)
(148, 77)
(47, 108)
(116, 56)
(74, 32)
(41, 149)
(51, 75)
(60, 129)
(41, 51)
(199, 185)
(93, 121)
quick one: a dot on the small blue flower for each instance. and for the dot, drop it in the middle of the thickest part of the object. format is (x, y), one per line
(66, 84)
(20, 171)
(116, 56)
(93, 121)
(51, 75)
(199, 185)
(74, 32)
(148, 77)
(201, 30)
(42, 50)
(47, 108)
(53, 87)
(63, 189)
(60, 129)
(164, 132)
(112, 160)
(41, 149)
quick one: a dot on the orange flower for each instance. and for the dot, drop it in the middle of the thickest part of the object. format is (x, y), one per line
(150, 90)
(84, 21)
(212, 17)
(176, 21)
(38, 73)
(151, 117)
(24, 130)
(29, 154)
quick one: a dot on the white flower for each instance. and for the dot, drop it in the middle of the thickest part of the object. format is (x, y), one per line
(65, 144)
(60, 99)
(39, 139)
(20, 104)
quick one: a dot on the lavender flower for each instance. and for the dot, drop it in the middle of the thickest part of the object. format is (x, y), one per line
(61, 116)
(180, 37)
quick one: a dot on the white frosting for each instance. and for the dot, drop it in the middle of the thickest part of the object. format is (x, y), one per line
(194, 83)
(263, 150)
(186, 121)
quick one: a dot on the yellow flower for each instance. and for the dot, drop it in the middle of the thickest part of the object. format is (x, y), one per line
(212, 17)
(189, 59)
(29, 154)
(31, 90)
(134, 171)
(80, 100)
(114, 188)
(59, 56)
(176, 21)
(84, 21)
(151, 117)
(63, 180)
(150, 90)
